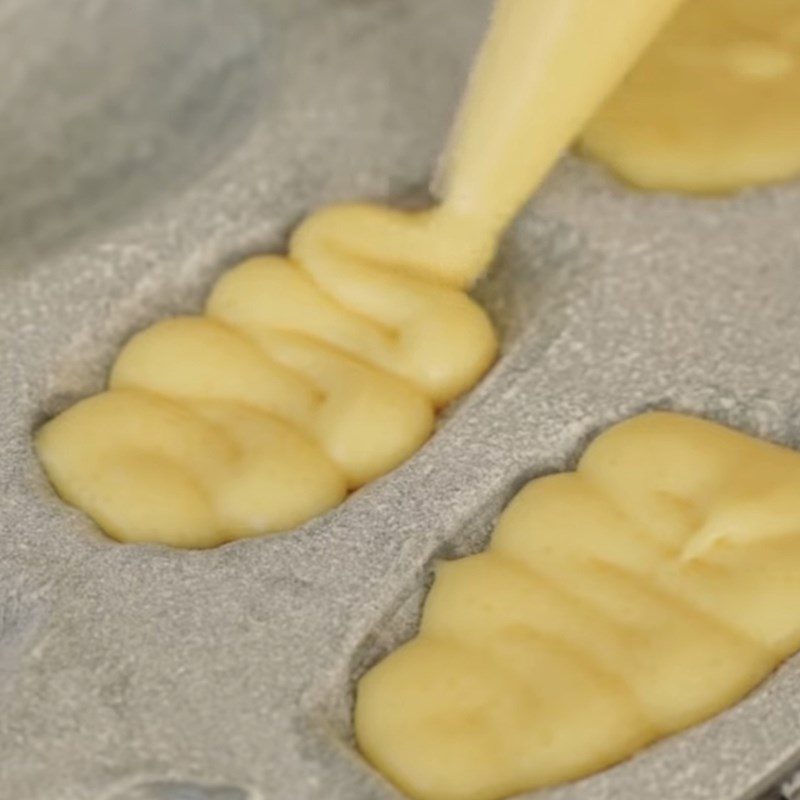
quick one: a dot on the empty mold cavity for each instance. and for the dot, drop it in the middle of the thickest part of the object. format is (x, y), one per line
(105, 137)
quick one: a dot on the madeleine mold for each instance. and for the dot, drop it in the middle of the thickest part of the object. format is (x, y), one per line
(144, 148)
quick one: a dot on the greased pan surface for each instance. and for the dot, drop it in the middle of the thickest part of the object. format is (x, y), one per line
(146, 146)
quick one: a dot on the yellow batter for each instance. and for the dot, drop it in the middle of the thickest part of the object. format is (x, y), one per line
(308, 376)
(714, 105)
(544, 69)
(644, 592)
(312, 375)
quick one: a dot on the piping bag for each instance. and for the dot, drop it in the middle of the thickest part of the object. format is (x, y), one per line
(544, 68)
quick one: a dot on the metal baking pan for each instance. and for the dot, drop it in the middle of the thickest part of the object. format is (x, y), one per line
(146, 146)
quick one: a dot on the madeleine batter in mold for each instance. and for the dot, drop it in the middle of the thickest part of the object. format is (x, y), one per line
(312, 375)
(646, 591)
(308, 376)
(714, 105)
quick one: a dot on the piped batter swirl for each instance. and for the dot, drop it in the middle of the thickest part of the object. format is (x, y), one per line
(642, 593)
(307, 376)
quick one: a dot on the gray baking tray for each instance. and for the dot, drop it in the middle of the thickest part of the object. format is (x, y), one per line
(147, 145)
